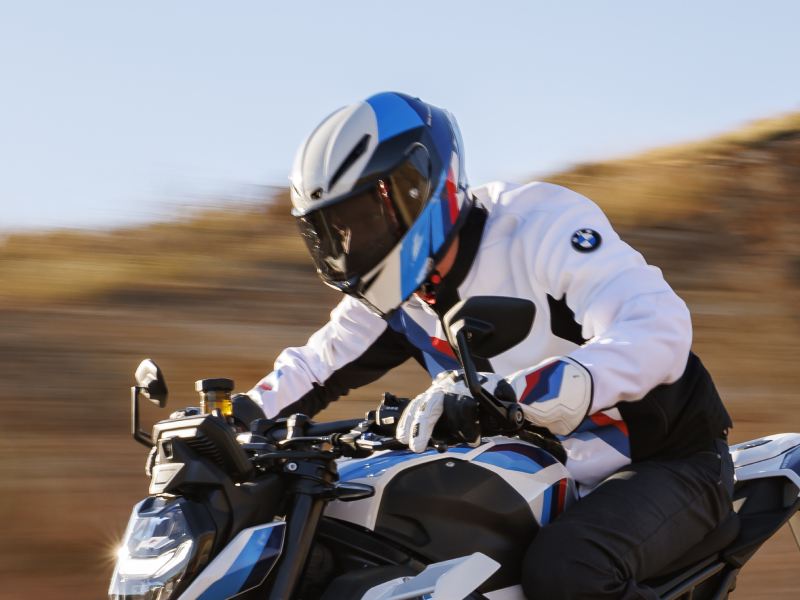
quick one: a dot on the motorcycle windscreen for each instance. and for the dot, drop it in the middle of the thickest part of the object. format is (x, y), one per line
(350, 237)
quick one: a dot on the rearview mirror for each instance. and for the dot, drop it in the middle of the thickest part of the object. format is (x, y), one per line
(485, 326)
(150, 382)
(492, 324)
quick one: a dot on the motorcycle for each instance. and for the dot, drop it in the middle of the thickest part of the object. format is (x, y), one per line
(293, 509)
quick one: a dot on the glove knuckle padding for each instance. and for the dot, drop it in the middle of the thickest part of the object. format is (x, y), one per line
(420, 417)
(556, 394)
(406, 420)
(427, 413)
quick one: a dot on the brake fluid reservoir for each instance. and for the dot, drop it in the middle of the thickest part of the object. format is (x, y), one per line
(215, 394)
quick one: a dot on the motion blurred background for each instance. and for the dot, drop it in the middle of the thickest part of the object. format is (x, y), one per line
(143, 211)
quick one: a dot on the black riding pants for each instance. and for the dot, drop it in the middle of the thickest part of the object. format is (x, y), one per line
(633, 525)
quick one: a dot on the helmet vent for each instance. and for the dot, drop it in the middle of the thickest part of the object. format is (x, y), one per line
(356, 153)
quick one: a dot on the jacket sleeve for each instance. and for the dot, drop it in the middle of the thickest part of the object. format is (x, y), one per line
(354, 348)
(639, 331)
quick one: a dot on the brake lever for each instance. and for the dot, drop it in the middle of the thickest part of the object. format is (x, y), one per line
(508, 416)
(374, 442)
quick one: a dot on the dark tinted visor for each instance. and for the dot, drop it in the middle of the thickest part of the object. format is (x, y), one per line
(350, 237)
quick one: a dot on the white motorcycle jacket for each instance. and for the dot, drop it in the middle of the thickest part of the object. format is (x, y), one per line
(597, 301)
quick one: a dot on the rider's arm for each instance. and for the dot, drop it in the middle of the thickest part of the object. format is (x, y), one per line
(354, 348)
(639, 331)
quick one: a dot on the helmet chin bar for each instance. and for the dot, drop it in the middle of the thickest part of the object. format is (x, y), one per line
(351, 287)
(355, 287)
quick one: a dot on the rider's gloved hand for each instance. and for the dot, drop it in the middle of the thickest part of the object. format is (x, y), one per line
(447, 394)
(555, 394)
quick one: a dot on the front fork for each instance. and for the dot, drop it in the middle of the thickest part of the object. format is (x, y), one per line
(314, 483)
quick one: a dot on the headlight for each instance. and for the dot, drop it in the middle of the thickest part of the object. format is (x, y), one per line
(157, 549)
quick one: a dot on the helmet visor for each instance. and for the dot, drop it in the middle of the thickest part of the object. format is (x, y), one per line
(350, 237)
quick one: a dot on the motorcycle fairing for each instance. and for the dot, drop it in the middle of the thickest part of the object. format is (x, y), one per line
(771, 456)
(454, 578)
(542, 481)
(767, 491)
(242, 565)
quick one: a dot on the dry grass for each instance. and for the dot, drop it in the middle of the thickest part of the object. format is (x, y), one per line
(212, 246)
(735, 173)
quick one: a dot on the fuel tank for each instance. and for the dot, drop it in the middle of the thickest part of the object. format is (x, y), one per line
(490, 499)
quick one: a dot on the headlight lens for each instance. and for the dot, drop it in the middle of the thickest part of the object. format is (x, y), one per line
(155, 552)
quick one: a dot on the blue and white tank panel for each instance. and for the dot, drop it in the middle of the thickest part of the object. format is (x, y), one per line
(542, 481)
(242, 565)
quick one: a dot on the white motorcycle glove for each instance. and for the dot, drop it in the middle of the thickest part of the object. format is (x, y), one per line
(556, 393)
(421, 415)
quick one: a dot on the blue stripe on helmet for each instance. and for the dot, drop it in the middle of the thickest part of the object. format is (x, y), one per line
(415, 251)
(442, 135)
(394, 115)
(440, 215)
(437, 226)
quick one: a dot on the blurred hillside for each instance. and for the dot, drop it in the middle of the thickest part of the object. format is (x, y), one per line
(219, 293)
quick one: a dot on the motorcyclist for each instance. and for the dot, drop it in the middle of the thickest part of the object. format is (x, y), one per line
(380, 195)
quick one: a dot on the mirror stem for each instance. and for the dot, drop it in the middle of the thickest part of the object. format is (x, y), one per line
(470, 371)
(473, 379)
(139, 435)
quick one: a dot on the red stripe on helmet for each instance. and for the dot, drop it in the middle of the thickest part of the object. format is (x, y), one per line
(452, 196)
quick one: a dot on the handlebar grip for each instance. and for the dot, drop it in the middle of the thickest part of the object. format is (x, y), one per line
(343, 426)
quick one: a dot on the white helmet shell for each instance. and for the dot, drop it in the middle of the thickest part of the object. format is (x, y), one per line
(324, 151)
(379, 190)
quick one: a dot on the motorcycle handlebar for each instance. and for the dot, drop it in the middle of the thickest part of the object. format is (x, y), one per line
(343, 426)
(315, 429)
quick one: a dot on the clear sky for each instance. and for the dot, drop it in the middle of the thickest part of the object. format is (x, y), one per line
(111, 110)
